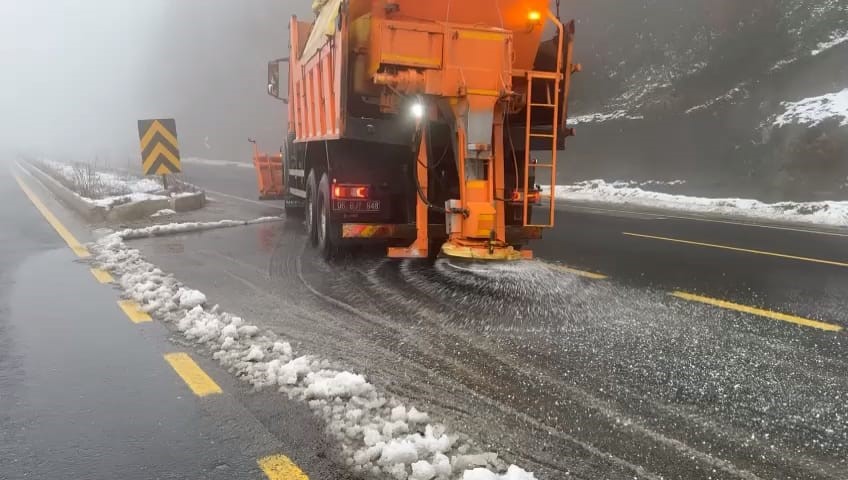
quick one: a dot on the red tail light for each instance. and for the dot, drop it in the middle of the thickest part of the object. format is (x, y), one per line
(350, 191)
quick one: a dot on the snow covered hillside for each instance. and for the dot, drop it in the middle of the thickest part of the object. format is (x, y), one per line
(813, 111)
(741, 99)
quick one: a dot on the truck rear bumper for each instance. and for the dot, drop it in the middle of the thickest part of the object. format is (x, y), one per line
(514, 234)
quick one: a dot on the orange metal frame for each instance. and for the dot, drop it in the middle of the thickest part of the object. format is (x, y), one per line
(314, 83)
(269, 173)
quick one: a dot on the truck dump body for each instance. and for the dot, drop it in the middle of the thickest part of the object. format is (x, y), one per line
(410, 113)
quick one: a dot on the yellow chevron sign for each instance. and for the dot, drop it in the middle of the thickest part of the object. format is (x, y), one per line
(160, 151)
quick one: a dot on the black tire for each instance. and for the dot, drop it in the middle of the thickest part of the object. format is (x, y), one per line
(310, 213)
(327, 230)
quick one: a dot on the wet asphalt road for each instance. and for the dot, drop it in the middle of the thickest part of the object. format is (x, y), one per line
(593, 378)
(85, 393)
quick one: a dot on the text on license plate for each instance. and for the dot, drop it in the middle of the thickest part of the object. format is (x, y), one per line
(357, 205)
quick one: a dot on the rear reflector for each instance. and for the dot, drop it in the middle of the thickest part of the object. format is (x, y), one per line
(350, 191)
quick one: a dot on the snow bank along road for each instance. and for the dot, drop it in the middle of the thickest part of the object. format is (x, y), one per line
(91, 387)
(646, 345)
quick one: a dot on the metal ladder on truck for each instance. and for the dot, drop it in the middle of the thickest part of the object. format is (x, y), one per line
(553, 83)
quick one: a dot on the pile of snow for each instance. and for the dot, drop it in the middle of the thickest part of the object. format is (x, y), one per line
(114, 189)
(111, 181)
(186, 227)
(378, 435)
(623, 193)
(814, 110)
(165, 212)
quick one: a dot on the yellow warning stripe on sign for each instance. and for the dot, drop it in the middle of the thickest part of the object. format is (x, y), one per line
(160, 150)
(150, 160)
(155, 128)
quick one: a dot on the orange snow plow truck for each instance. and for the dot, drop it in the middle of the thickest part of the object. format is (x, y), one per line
(411, 123)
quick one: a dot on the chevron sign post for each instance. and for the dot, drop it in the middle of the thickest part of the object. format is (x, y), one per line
(160, 151)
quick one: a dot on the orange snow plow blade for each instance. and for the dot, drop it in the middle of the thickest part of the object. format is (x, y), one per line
(269, 174)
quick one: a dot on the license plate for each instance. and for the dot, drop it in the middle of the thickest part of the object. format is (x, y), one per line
(357, 205)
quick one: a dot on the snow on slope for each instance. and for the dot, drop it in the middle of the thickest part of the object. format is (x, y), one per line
(377, 434)
(622, 193)
(814, 110)
(603, 117)
(837, 38)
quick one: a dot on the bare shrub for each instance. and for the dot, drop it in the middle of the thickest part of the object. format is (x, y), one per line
(83, 179)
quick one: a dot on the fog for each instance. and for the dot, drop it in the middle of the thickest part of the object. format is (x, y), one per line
(76, 75)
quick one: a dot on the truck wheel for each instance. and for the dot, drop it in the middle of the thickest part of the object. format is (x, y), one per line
(327, 230)
(310, 213)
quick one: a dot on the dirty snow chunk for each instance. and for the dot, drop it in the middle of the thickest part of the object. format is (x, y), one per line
(815, 110)
(165, 212)
(230, 331)
(293, 370)
(479, 474)
(191, 298)
(442, 465)
(414, 416)
(398, 471)
(398, 451)
(422, 470)
(228, 343)
(463, 462)
(512, 473)
(399, 413)
(282, 347)
(393, 429)
(330, 384)
(433, 442)
(255, 354)
(248, 330)
(372, 436)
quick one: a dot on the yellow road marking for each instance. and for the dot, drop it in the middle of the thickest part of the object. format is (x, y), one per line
(743, 250)
(280, 467)
(102, 276)
(134, 311)
(759, 312)
(582, 273)
(197, 380)
(63, 232)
